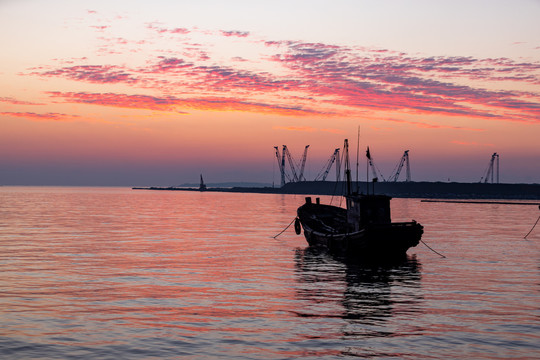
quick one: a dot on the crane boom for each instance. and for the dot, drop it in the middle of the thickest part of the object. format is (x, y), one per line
(408, 165)
(323, 174)
(403, 161)
(285, 154)
(291, 163)
(280, 165)
(301, 175)
(374, 169)
(491, 169)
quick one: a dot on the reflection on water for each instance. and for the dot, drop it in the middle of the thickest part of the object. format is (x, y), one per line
(115, 273)
(366, 295)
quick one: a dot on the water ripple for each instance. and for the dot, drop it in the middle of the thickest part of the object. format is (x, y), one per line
(114, 273)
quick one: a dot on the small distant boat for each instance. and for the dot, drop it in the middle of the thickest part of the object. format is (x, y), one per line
(202, 186)
(363, 229)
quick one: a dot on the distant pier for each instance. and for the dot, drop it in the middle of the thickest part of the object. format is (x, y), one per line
(412, 189)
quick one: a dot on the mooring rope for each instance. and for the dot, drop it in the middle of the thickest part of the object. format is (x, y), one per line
(282, 231)
(533, 225)
(432, 249)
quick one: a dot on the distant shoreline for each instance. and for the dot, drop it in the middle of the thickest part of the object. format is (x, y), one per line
(426, 190)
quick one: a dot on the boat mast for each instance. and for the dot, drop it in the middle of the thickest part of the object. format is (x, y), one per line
(347, 166)
(357, 156)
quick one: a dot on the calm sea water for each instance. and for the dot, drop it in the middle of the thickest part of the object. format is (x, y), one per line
(115, 273)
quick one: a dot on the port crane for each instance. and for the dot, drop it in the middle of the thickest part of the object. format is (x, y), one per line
(281, 164)
(493, 163)
(324, 173)
(374, 169)
(403, 161)
(296, 176)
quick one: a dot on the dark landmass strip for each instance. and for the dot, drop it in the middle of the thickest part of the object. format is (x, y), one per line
(426, 190)
(227, 185)
(480, 202)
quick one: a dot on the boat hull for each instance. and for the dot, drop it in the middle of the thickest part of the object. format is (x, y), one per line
(371, 240)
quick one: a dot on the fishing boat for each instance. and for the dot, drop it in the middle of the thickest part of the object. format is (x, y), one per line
(363, 229)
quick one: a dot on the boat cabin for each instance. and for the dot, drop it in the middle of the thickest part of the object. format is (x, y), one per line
(367, 209)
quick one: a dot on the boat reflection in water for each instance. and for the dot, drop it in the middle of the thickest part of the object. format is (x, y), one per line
(354, 301)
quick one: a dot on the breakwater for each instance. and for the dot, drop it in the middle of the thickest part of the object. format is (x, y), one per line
(421, 189)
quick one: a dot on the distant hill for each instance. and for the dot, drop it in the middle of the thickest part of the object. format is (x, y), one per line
(229, 185)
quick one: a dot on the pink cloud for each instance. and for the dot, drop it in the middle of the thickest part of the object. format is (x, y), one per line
(179, 31)
(168, 65)
(400, 82)
(100, 27)
(162, 30)
(331, 79)
(92, 73)
(13, 101)
(239, 58)
(41, 117)
(235, 33)
(175, 104)
(119, 100)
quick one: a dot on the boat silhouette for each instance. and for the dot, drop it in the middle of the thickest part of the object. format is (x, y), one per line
(363, 229)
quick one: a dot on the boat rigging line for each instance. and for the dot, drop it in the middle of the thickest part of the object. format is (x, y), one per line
(533, 225)
(341, 160)
(432, 249)
(282, 231)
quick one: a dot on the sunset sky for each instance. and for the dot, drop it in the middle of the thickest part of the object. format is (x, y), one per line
(158, 92)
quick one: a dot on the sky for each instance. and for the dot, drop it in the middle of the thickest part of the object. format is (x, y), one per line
(137, 93)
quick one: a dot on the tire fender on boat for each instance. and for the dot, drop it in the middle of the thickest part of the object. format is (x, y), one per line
(297, 226)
